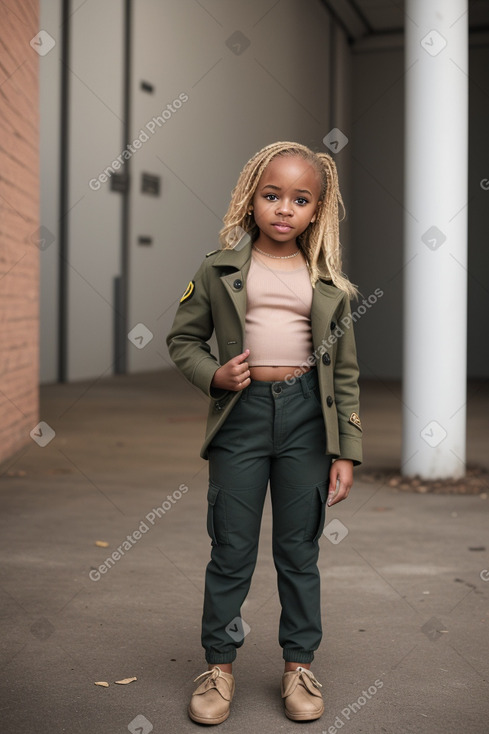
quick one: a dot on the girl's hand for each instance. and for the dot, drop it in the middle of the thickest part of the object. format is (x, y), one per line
(341, 469)
(233, 375)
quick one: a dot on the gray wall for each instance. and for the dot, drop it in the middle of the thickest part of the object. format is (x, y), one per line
(93, 217)
(377, 206)
(377, 209)
(237, 103)
(478, 261)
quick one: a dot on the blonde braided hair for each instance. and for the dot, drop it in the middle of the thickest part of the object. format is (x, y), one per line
(320, 241)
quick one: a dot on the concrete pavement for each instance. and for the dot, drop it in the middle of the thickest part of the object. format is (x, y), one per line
(405, 591)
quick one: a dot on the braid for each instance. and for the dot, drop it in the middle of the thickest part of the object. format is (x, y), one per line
(320, 242)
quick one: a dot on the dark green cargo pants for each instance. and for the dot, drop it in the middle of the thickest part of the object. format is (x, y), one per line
(275, 433)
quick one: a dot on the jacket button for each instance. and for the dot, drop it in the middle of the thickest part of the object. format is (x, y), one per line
(326, 358)
(218, 406)
(238, 284)
(333, 325)
(329, 401)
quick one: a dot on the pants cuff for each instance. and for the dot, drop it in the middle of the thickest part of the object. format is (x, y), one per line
(214, 658)
(297, 656)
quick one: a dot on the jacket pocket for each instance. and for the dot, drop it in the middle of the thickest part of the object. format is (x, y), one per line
(216, 515)
(317, 513)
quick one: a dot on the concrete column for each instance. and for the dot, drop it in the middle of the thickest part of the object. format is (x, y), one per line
(435, 233)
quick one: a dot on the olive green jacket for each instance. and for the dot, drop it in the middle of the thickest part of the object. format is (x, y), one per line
(216, 299)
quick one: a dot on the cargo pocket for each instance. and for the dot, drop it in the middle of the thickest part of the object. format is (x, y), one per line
(317, 513)
(216, 515)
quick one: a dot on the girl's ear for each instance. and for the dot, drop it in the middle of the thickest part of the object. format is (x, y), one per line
(314, 216)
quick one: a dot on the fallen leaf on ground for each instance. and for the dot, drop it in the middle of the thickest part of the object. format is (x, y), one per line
(125, 681)
(102, 683)
(102, 543)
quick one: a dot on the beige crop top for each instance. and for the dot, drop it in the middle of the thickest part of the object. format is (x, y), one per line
(278, 315)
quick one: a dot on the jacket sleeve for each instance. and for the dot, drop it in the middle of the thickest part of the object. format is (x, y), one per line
(192, 328)
(347, 391)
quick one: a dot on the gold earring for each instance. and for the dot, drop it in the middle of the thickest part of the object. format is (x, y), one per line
(250, 209)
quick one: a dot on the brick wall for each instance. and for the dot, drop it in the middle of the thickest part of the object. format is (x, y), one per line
(19, 223)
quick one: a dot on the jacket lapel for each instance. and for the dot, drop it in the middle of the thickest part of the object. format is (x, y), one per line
(325, 298)
(240, 261)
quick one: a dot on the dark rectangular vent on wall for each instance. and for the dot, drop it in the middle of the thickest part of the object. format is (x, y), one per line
(147, 87)
(119, 182)
(150, 184)
(144, 240)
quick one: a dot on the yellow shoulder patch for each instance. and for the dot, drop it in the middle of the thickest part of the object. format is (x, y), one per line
(189, 291)
(355, 419)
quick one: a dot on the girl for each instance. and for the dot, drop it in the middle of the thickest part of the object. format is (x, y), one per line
(284, 407)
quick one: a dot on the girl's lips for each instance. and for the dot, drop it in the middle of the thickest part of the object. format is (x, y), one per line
(282, 227)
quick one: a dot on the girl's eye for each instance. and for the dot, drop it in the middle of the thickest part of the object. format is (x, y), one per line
(300, 200)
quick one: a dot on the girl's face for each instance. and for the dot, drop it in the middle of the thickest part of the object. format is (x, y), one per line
(286, 198)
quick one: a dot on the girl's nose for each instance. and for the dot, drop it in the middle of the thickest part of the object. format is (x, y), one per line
(284, 208)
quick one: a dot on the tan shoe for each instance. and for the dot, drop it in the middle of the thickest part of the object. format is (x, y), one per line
(211, 700)
(302, 697)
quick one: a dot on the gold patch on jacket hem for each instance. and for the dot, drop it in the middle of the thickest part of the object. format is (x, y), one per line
(189, 290)
(355, 419)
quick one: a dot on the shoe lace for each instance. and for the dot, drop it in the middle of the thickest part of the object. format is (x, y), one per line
(210, 674)
(311, 676)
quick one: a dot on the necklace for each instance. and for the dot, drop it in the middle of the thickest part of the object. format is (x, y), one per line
(276, 257)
